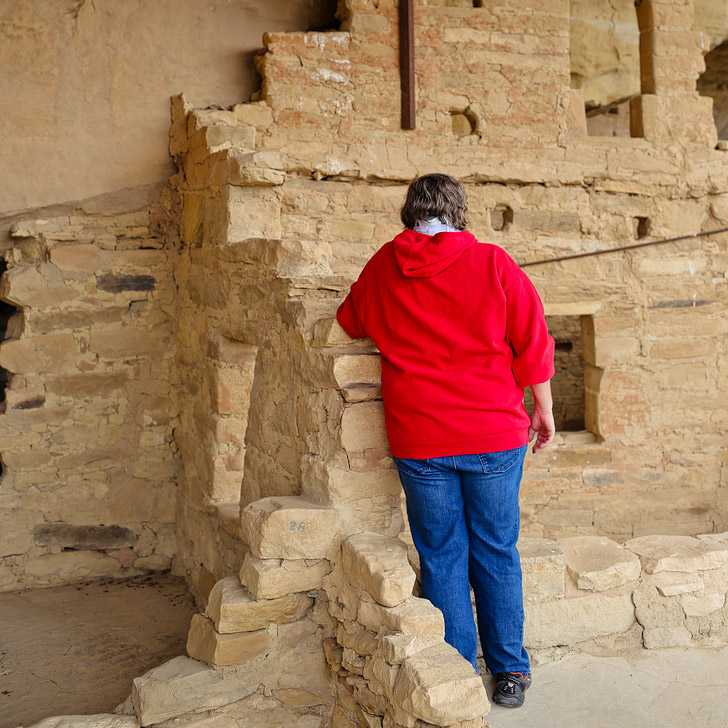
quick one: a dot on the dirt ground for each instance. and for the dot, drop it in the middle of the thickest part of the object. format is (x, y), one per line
(76, 649)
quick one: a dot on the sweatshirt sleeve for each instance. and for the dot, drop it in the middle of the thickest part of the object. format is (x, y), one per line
(349, 312)
(526, 331)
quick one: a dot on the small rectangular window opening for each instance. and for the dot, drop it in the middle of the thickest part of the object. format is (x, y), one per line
(567, 385)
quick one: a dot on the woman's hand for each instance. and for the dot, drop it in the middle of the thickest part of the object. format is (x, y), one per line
(542, 423)
(542, 419)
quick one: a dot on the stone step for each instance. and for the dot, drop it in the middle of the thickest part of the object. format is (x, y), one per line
(205, 643)
(289, 527)
(183, 685)
(231, 608)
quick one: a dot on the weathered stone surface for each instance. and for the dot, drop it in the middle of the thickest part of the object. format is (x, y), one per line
(328, 332)
(72, 566)
(182, 685)
(568, 621)
(653, 610)
(678, 553)
(670, 584)
(598, 563)
(305, 678)
(232, 609)
(86, 538)
(439, 686)
(50, 353)
(382, 676)
(97, 720)
(544, 568)
(205, 643)
(414, 616)
(362, 427)
(702, 605)
(289, 527)
(351, 369)
(396, 648)
(82, 258)
(331, 485)
(658, 637)
(271, 578)
(379, 565)
(361, 640)
(129, 341)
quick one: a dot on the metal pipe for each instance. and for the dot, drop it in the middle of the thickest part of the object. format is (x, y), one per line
(624, 247)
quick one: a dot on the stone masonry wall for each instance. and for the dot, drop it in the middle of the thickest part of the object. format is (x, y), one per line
(87, 486)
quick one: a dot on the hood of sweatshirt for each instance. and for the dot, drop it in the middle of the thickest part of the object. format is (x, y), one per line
(424, 256)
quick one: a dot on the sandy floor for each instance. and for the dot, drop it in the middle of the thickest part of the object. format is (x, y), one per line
(76, 649)
(673, 688)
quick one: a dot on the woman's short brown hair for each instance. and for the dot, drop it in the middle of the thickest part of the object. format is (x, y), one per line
(435, 195)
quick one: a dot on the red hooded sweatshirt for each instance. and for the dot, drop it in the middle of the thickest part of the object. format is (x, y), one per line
(461, 331)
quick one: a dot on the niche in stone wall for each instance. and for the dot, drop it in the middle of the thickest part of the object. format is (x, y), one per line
(605, 63)
(714, 83)
(7, 314)
(567, 385)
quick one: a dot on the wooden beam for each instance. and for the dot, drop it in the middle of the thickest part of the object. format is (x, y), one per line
(407, 61)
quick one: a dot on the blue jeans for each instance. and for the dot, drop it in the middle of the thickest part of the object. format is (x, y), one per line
(464, 515)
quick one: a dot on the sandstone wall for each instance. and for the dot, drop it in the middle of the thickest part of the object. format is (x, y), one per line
(87, 486)
(87, 84)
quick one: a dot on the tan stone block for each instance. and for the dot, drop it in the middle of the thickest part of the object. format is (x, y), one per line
(382, 676)
(396, 648)
(671, 584)
(414, 616)
(289, 527)
(87, 385)
(344, 600)
(232, 389)
(544, 568)
(678, 553)
(361, 640)
(182, 685)
(81, 258)
(379, 565)
(72, 566)
(352, 369)
(253, 213)
(257, 114)
(652, 610)
(302, 664)
(568, 621)
(54, 353)
(130, 342)
(206, 644)
(598, 563)
(362, 427)
(439, 686)
(655, 638)
(232, 609)
(328, 332)
(363, 393)
(347, 229)
(97, 720)
(29, 287)
(331, 485)
(701, 605)
(271, 578)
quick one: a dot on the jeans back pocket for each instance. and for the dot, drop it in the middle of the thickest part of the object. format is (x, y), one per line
(500, 462)
(410, 466)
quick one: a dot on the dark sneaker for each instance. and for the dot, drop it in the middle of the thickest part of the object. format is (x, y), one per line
(510, 688)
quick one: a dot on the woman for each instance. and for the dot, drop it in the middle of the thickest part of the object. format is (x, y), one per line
(461, 331)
